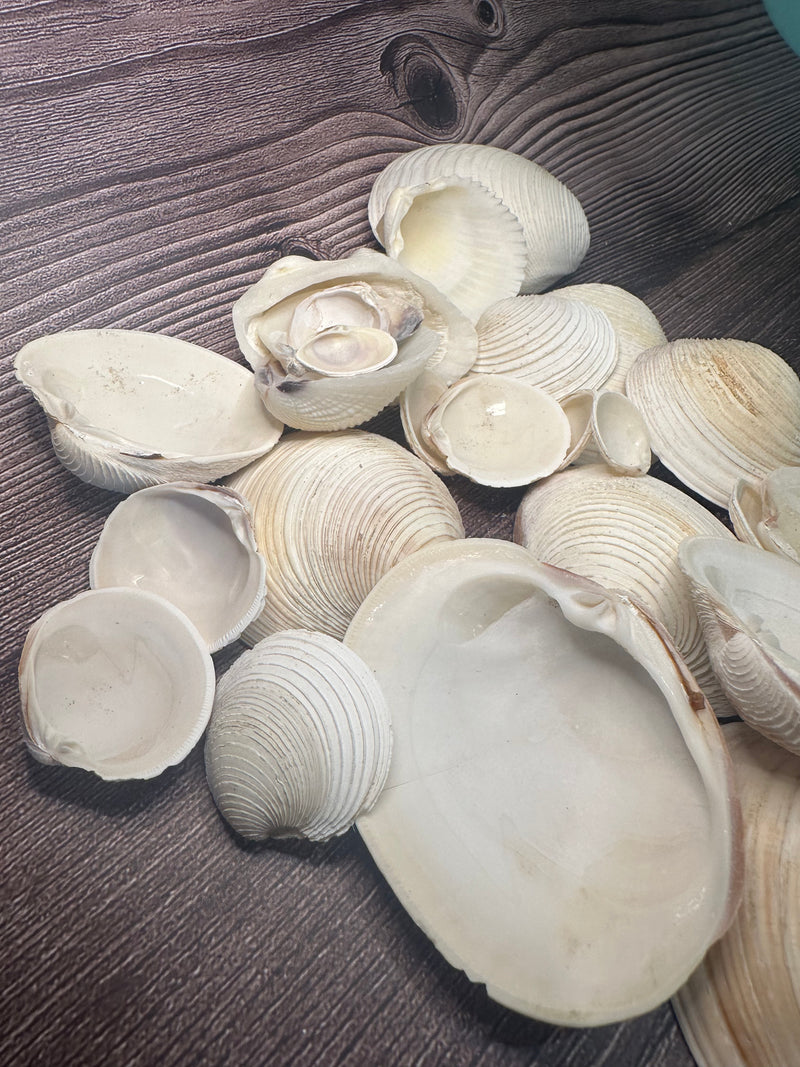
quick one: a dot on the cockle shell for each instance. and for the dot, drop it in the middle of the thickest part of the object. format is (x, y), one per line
(741, 1007)
(193, 545)
(624, 532)
(332, 513)
(748, 603)
(116, 681)
(129, 409)
(554, 225)
(717, 411)
(300, 739)
(766, 513)
(559, 816)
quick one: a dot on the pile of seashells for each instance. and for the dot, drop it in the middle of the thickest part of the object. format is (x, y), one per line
(524, 731)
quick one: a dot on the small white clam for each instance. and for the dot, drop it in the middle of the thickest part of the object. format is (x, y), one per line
(607, 428)
(766, 513)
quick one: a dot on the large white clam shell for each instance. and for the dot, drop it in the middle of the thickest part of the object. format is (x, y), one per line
(717, 411)
(193, 545)
(558, 816)
(554, 225)
(116, 681)
(766, 513)
(748, 602)
(332, 513)
(129, 409)
(741, 1007)
(300, 739)
(625, 532)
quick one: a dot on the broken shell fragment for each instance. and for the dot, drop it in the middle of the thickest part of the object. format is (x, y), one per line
(129, 409)
(559, 789)
(300, 739)
(116, 681)
(193, 545)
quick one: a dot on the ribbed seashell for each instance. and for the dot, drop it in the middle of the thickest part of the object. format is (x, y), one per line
(624, 532)
(767, 513)
(300, 739)
(741, 1007)
(636, 326)
(553, 222)
(559, 790)
(717, 411)
(560, 345)
(129, 409)
(332, 513)
(748, 603)
(116, 681)
(191, 544)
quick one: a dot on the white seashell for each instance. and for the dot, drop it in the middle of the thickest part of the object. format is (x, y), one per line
(499, 431)
(192, 545)
(460, 236)
(562, 346)
(578, 409)
(619, 435)
(332, 513)
(300, 739)
(767, 513)
(717, 411)
(748, 602)
(559, 789)
(416, 403)
(741, 1007)
(554, 225)
(347, 350)
(624, 532)
(634, 323)
(116, 681)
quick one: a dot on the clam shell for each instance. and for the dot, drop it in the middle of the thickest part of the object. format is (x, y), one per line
(332, 513)
(717, 411)
(767, 513)
(116, 681)
(553, 222)
(299, 741)
(559, 790)
(416, 403)
(619, 434)
(624, 532)
(129, 409)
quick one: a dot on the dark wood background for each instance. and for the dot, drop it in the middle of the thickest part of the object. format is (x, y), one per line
(156, 157)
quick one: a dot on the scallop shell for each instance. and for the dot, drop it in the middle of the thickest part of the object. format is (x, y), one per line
(129, 409)
(116, 681)
(559, 790)
(332, 513)
(717, 411)
(767, 513)
(553, 222)
(624, 532)
(300, 739)
(191, 544)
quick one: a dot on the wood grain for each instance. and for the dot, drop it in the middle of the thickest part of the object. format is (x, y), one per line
(156, 158)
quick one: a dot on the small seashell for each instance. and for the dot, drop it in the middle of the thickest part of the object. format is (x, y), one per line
(416, 403)
(619, 436)
(767, 513)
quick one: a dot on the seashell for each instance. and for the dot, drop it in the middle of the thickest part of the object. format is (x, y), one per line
(192, 545)
(299, 299)
(562, 346)
(416, 403)
(300, 739)
(129, 409)
(553, 222)
(748, 603)
(619, 436)
(624, 532)
(499, 431)
(116, 681)
(741, 1006)
(635, 325)
(767, 513)
(717, 411)
(332, 513)
(559, 790)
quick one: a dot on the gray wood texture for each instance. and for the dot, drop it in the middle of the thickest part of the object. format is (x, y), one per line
(156, 157)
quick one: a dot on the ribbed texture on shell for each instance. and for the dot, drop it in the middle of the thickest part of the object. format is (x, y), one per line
(332, 513)
(300, 740)
(740, 1007)
(624, 532)
(718, 410)
(555, 226)
(560, 345)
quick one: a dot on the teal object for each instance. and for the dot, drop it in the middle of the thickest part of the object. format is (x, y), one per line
(786, 16)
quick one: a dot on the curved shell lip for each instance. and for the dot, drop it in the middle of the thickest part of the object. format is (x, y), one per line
(49, 744)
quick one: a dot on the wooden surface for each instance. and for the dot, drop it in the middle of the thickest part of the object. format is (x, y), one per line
(156, 157)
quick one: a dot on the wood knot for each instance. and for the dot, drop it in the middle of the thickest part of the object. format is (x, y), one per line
(491, 17)
(424, 83)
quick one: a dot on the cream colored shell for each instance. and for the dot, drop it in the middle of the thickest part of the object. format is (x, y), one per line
(766, 513)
